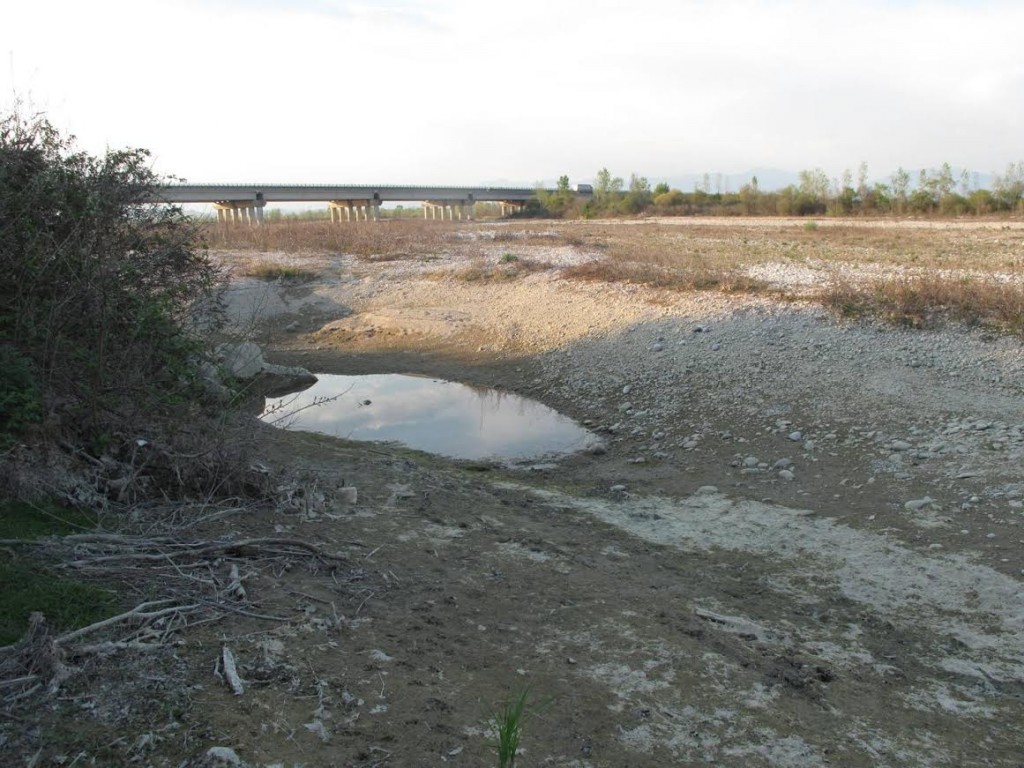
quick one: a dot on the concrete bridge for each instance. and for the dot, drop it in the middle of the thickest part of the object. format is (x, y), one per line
(244, 203)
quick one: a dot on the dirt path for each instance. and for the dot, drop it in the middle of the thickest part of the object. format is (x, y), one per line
(812, 554)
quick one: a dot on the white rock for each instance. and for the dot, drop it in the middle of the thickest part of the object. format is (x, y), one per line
(785, 474)
(796, 436)
(916, 504)
(223, 756)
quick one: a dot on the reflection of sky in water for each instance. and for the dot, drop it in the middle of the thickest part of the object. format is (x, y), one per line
(432, 415)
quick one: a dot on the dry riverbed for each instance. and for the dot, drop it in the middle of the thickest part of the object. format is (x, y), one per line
(800, 546)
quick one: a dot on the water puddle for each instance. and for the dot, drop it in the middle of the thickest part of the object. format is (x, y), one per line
(433, 415)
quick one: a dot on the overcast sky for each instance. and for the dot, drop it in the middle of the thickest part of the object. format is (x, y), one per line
(476, 91)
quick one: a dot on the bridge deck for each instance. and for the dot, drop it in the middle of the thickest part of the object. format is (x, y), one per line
(303, 193)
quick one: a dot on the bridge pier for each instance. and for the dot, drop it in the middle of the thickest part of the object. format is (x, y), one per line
(240, 211)
(452, 209)
(354, 210)
(509, 207)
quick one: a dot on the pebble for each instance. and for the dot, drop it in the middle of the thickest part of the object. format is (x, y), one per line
(785, 474)
(657, 347)
(617, 488)
(707, 490)
(900, 445)
(796, 436)
(715, 347)
(783, 464)
(627, 389)
(751, 462)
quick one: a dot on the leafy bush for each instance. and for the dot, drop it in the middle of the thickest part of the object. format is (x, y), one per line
(101, 287)
(20, 402)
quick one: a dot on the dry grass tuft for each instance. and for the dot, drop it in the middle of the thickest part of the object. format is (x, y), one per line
(374, 241)
(924, 301)
(671, 278)
(285, 272)
(512, 269)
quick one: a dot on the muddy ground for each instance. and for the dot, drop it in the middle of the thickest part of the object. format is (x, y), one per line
(801, 545)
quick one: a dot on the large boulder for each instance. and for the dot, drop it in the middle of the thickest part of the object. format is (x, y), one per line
(244, 361)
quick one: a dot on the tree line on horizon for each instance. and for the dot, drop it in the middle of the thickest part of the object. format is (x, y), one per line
(938, 192)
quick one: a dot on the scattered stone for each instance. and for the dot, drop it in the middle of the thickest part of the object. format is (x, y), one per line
(751, 461)
(900, 445)
(617, 488)
(716, 346)
(796, 436)
(627, 389)
(783, 464)
(656, 347)
(707, 490)
(222, 756)
(917, 504)
(785, 474)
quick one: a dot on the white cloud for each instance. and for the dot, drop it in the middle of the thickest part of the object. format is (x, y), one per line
(470, 92)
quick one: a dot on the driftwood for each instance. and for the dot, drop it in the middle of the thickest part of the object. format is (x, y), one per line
(231, 671)
(170, 549)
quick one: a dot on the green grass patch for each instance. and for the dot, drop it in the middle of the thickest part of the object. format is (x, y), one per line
(19, 520)
(31, 586)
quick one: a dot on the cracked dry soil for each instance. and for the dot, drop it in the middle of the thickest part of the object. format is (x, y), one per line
(815, 560)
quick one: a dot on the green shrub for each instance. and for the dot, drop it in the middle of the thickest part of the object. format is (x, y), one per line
(20, 402)
(101, 286)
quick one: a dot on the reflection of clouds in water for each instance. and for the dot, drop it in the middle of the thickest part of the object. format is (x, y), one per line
(437, 416)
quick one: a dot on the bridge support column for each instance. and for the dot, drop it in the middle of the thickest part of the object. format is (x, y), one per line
(240, 211)
(354, 210)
